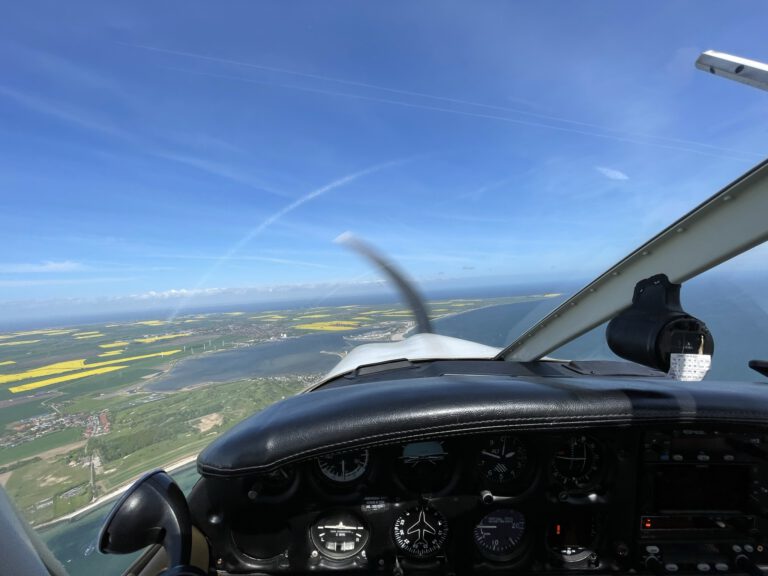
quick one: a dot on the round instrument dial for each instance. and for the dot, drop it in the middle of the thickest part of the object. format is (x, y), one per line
(420, 532)
(499, 535)
(424, 467)
(339, 536)
(577, 462)
(503, 460)
(273, 486)
(344, 467)
(262, 542)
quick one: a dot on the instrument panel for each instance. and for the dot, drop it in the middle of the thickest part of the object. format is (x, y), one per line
(593, 501)
(418, 504)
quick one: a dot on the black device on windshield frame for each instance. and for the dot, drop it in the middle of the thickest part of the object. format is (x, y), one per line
(655, 326)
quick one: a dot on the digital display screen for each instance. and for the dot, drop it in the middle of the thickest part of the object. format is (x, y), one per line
(688, 488)
(695, 444)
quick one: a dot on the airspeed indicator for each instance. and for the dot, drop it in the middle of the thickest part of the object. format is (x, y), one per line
(344, 467)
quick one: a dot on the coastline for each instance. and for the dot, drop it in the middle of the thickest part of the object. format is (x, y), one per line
(175, 465)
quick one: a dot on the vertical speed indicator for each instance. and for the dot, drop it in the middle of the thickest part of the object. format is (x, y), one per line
(500, 535)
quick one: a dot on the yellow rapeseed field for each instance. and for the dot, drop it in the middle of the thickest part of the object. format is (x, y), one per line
(151, 323)
(111, 353)
(7, 362)
(53, 332)
(72, 366)
(307, 316)
(18, 342)
(333, 326)
(151, 339)
(120, 344)
(87, 336)
(59, 379)
(48, 370)
(45, 332)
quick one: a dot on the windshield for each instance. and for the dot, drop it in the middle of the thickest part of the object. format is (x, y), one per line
(174, 175)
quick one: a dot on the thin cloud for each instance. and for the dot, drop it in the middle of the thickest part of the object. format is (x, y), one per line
(43, 267)
(29, 282)
(338, 183)
(479, 192)
(63, 113)
(267, 222)
(218, 170)
(83, 121)
(174, 293)
(242, 258)
(608, 134)
(74, 74)
(611, 173)
(617, 134)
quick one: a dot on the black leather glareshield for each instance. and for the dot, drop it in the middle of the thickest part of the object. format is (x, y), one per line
(391, 412)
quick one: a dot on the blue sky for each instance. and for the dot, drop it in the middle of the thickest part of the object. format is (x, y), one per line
(160, 149)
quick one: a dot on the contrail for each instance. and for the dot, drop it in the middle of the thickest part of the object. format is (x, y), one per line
(614, 137)
(415, 94)
(306, 198)
(249, 258)
(255, 231)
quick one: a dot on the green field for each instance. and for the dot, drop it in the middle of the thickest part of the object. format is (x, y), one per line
(159, 432)
(39, 489)
(146, 429)
(21, 411)
(143, 436)
(47, 442)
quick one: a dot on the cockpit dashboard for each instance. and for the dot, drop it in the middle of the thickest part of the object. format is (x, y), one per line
(650, 478)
